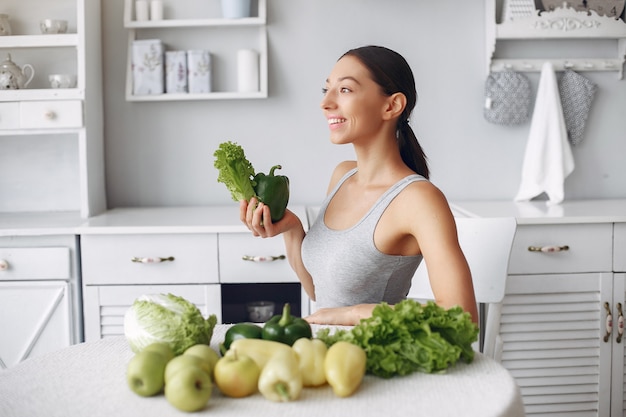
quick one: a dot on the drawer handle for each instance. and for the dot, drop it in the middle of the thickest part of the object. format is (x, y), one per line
(50, 115)
(609, 322)
(548, 248)
(152, 260)
(4, 264)
(620, 323)
(262, 258)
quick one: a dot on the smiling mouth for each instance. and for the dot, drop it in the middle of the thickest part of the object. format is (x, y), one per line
(335, 121)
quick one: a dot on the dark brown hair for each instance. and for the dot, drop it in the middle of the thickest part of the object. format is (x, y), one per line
(390, 70)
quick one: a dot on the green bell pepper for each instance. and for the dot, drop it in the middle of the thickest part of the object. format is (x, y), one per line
(286, 328)
(273, 190)
(240, 331)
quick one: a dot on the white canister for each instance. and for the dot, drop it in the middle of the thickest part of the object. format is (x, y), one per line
(247, 71)
(156, 10)
(175, 72)
(142, 11)
(199, 71)
(236, 9)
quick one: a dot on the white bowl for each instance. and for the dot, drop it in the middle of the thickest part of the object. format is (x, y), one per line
(53, 26)
(62, 80)
(260, 311)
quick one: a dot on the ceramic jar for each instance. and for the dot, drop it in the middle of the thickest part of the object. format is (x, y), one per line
(5, 26)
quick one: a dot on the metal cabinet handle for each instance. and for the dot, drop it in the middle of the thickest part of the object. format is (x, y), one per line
(4, 264)
(620, 323)
(548, 248)
(608, 322)
(50, 115)
(262, 258)
(152, 260)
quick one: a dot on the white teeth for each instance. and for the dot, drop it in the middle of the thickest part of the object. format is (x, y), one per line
(335, 121)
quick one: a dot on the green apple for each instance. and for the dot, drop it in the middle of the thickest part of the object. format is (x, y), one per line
(163, 348)
(145, 373)
(204, 352)
(236, 375)
(183, 361)
(189, 389)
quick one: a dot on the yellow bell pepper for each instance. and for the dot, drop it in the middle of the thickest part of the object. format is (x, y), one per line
(345, 367)
(281, 379)
(312, 353)
(260, 350)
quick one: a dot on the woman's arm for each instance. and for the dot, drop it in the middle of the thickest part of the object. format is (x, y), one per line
(256, 216)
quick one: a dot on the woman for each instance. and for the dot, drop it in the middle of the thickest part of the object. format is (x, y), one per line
(381, 216)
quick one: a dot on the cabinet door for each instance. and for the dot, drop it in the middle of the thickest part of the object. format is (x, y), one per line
(34, 319)
(552, 330)
(104, 306)
(618, 405)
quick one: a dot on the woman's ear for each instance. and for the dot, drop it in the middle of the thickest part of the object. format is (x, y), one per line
(395, 106)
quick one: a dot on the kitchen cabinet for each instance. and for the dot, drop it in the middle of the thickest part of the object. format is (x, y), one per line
(204, 254)
(51, 138)
(566, 284)
(562, 24)
(39, 296)
(202, 27)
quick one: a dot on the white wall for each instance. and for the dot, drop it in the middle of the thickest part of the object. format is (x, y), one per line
(161, 153)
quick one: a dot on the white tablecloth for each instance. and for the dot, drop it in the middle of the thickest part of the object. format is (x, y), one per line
(88, 380)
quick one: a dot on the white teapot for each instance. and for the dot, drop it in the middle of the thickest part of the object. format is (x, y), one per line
(12, 77)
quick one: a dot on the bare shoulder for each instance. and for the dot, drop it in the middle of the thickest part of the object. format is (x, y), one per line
(340, 170)
(427, 207)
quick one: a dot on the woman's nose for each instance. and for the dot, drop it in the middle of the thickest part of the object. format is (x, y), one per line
(326, 102)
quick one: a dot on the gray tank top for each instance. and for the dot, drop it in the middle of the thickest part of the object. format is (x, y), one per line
(346, 266)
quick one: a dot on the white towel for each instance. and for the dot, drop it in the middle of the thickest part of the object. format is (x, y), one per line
(548, 159)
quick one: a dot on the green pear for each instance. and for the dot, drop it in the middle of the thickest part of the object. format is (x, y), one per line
(145, 373)
(184, 361)
(189, 389)
(163, 348)
(204, 352)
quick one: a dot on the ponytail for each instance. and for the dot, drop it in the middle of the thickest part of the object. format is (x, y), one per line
(412, 153)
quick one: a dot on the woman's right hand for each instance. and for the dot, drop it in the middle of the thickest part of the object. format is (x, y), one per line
(256, 216)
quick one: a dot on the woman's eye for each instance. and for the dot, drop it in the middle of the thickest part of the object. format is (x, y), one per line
(324, 90)
(344, 90)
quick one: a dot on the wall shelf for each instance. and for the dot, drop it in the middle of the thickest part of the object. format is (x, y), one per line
(560, 24)
(211, 24)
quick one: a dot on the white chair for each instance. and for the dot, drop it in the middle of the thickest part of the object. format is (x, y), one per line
(486, 243)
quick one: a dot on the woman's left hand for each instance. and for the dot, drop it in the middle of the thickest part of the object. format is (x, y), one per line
(341, 316)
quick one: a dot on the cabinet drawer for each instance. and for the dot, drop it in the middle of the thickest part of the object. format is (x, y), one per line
(234, 269)
(589, 248)
(126, 259)
(619, 248)
(51, 114)
(34, 263)
(9, 115)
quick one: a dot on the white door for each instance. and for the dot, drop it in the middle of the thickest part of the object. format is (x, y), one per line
(618, 406)
(34, 319)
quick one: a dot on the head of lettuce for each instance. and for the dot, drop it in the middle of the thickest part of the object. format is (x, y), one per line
(166, 318)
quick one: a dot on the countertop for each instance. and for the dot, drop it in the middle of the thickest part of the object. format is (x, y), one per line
(89, 380)
(538, 212)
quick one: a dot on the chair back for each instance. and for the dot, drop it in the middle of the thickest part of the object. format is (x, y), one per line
(486, 244)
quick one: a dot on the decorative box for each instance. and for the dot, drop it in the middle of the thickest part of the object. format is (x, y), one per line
(175, 72)
(147, 66)
(199, 71)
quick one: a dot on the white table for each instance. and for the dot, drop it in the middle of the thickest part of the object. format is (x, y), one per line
(89, 380)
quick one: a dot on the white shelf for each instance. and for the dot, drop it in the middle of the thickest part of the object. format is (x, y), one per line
(42, 94)
(134, 27)
(39, 41)
(560, 24)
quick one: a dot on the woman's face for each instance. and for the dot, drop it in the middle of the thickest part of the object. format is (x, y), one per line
(353, 103)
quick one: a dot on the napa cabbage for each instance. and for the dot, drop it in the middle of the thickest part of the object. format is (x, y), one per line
(166, 318)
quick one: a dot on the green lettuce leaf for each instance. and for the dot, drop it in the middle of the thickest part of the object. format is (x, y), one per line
(410, 337)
